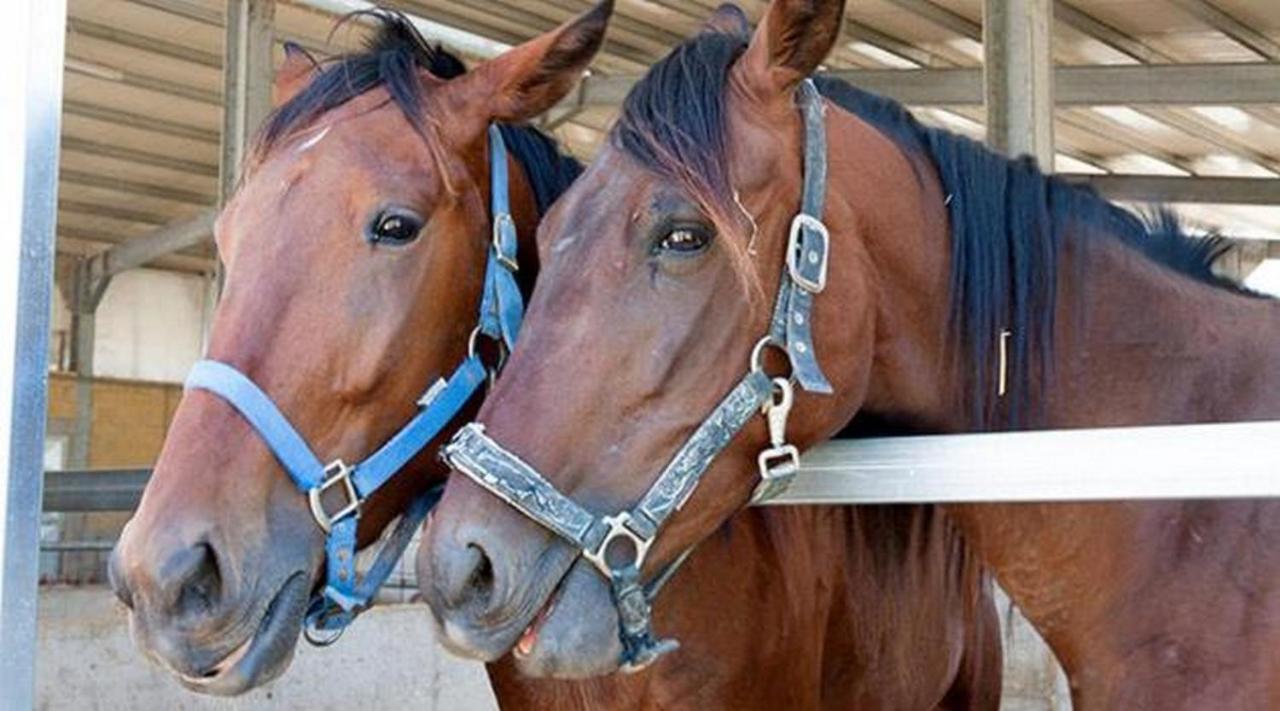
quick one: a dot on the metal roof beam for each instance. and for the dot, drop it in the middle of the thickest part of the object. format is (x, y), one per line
(1160, 85)
(1228, 25)
(164, 241)
(1200, 189)
(132, 155)
(1114, 38)
(85, 66)
(162, 192)
(138, 121)
(111, 212)
(153, 45)
(942, 17)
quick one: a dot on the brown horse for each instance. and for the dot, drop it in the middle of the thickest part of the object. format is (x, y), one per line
(356, 250)
(341, 153)
(888, 599)
(658, 272)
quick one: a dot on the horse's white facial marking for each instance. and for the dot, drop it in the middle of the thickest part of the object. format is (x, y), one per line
(311, 142)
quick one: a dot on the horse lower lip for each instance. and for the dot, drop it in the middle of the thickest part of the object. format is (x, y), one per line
(229, 663)
(524, 647)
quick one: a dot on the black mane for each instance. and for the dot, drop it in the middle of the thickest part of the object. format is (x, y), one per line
(1008, 219)
(392, 57)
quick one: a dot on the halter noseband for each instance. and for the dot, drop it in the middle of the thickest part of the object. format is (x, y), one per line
(344, 596)
(617, 544)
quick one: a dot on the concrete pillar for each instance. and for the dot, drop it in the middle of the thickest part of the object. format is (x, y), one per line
(87, 289)
(247, 80)
(248, 76)
(1017, 40)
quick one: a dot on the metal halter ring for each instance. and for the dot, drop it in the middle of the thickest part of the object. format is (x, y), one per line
(474, 340)
(757, 354)
(618, 529)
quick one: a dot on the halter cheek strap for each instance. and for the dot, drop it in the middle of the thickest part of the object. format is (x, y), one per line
(345, 595)
(618, 544)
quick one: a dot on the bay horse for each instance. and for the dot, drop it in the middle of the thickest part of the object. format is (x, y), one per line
(660, 270)
(322, 314)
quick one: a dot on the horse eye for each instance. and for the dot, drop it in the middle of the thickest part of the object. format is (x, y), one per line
(395, 227)
(684, 241)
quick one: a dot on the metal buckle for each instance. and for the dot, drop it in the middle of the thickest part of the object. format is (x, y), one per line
(499, 222)
(780, 462)
(335, 472)
(618, 529)
(778, 466)
(794, 256)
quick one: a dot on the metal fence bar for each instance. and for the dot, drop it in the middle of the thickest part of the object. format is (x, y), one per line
(1236, 460)
(1233, 460)
(31, 93)
(94, 489)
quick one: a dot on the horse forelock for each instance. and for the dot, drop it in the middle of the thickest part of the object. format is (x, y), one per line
(392, 57)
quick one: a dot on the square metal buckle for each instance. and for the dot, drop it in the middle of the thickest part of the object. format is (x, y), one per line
(778, 466)
(335, 473)
(802, 221)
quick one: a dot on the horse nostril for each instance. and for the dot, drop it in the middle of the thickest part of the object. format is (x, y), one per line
(463, 576)
(480, 582)
(116, 578)
(200, 582)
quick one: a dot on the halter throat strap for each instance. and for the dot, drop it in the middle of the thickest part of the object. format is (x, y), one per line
(345, 594)
(618, 544)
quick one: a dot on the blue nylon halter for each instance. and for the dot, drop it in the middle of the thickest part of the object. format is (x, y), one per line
(345, 594)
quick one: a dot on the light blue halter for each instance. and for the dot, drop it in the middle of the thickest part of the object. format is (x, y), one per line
(346, 595)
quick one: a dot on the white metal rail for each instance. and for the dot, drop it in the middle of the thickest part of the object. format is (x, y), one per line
(1235, 460)
(1220, 461)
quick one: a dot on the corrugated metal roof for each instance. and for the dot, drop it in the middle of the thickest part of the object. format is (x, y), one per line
(143, 90)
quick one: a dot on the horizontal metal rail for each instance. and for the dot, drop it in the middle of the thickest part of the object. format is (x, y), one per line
(94, 489)
(1222, 461)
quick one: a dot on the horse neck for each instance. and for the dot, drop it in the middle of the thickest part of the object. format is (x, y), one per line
(889, 234)
(1136, 344)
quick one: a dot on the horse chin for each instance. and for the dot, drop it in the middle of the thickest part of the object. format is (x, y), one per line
(578, 635)
(264, 655)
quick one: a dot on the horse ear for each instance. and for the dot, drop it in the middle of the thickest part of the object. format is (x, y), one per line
(728, 19)
(791, 41)
(529, 79)
(293, 75)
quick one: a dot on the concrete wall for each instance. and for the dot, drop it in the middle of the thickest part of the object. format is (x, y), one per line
(87, 662)
(150, 325)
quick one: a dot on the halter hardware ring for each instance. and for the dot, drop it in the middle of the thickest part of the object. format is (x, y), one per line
(757, 354)
(618, 529)
(503, 221)
(794, 257)
(335, 473)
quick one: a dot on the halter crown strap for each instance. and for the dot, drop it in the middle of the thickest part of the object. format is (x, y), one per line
(808, 252)
(346, 594)
(501, 306)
